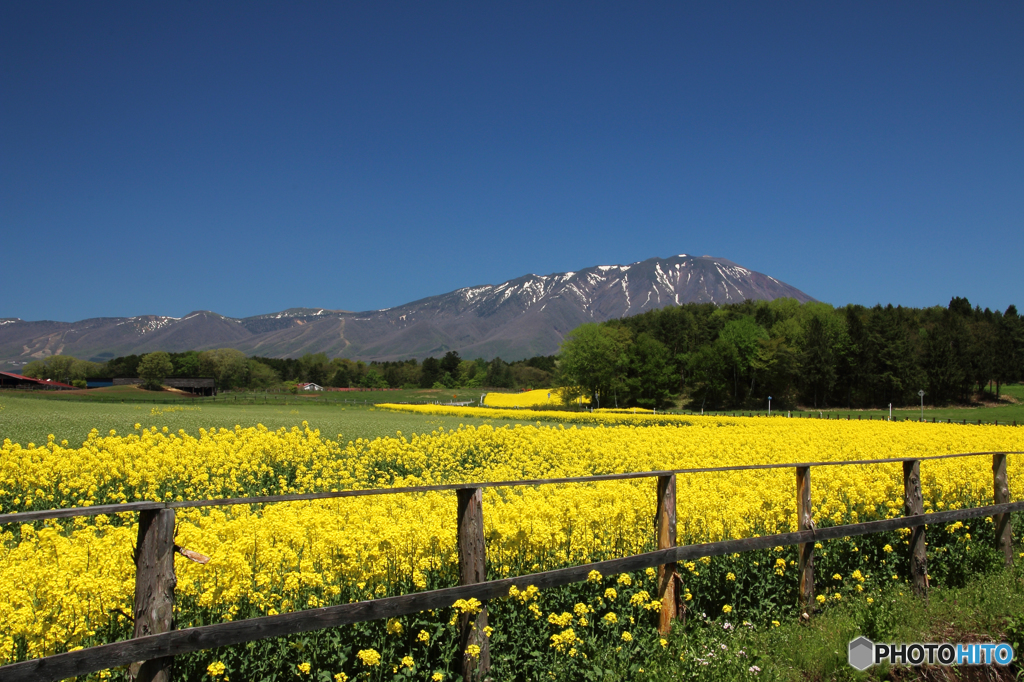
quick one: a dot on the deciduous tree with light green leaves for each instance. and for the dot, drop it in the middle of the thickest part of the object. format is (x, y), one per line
(154, 368)
(228, 367)
(593, 358)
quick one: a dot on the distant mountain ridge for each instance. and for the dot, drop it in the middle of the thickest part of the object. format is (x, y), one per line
(520, 318)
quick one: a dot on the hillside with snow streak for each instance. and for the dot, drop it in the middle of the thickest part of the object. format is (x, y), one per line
(520, 318)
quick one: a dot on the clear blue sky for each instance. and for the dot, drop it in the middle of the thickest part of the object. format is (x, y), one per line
(157, 158)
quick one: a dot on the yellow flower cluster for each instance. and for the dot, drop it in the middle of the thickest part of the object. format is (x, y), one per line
(565, 640)
(64, 581)
(523, 596)
(369, 657)
(539, 397)
(468, 606)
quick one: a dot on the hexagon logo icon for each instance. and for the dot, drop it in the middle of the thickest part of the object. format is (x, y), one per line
(860, 654)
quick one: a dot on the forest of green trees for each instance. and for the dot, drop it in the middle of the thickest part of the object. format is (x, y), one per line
(712, 357)
(735, 356)
(231, 369)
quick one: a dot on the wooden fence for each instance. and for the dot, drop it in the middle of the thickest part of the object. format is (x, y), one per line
(151, 651)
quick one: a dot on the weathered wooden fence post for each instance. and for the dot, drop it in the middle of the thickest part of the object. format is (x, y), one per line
(154, 588)
(805, 521)
(666, 526)
(1001, 495)
(913, 505)
(472, 569)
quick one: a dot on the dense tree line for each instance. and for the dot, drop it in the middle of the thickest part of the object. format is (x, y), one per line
(63, 368)
(449, 371)
(231, 369)
(735, 356)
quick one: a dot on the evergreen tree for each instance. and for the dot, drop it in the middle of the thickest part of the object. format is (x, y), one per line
(649, 377)
(896, 375)
(499, 374)
(450, 363)
(945, 360)
(430, 372)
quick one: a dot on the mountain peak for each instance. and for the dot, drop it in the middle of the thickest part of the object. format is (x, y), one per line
(522, 317)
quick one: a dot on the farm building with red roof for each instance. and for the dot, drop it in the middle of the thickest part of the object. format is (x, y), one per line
(12, 380)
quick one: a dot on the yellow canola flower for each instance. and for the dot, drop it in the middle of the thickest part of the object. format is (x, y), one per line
(640, 598)
(523, 596)
(564, 641)
(369, 657)
(538, 398)
(561, 620)
(62, 582)
(470, 606)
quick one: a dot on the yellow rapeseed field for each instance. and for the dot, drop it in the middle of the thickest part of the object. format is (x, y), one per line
(62, 582)
(538, 398)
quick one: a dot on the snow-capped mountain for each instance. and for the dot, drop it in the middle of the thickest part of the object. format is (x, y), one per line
(520, 318)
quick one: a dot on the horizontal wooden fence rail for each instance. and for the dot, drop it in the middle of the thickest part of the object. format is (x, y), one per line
(151, 651)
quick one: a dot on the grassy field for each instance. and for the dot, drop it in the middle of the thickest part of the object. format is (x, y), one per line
(1008, 409)
(115, 393)
(987, 609)
(141, 395)
(1016, 391)
(26, 419)
(1004, 413)
(31, 417)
